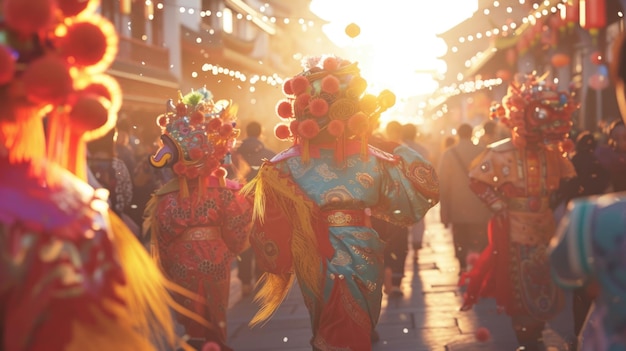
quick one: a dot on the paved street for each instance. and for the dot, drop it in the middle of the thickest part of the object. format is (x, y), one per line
(425, 319)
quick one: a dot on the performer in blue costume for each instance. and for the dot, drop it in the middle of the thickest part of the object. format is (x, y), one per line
(313, 202)
(590, 249)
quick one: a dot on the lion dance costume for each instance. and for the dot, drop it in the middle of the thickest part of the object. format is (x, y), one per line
(312, 203)
(72, 276)
(590, 248)
(198, 222)
(515, 178)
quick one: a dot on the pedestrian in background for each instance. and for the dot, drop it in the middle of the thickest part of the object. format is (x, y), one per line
(613, 155)
(249, 156)
(416, 230)
(395, 236)
(490, 134)
(460, 209)
(112, 174)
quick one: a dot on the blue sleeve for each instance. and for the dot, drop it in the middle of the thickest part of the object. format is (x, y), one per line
(409, 188)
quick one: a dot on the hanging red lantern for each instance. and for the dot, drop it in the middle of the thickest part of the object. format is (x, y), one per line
(560, 60)
(594, 15)
(569, 13)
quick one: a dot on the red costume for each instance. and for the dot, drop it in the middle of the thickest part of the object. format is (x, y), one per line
(515, 178)
(69, 267)
(198, 221)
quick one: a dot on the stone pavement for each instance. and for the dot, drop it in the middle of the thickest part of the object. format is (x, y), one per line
(427, 318)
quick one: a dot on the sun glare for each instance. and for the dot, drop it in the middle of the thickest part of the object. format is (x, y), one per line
(397, 48)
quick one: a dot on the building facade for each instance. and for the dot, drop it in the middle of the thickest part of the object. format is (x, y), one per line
(507, 37)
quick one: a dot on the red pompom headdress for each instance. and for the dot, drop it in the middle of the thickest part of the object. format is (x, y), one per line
(329, 95)
(536, 112)
(52, 65)
(197, 137)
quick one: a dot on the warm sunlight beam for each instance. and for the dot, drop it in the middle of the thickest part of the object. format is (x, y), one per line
(397, 48)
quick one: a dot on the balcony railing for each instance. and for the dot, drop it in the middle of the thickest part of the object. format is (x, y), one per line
(133, 50)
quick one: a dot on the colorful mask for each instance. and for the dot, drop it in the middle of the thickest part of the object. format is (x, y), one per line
(537, 113)
(197, 135)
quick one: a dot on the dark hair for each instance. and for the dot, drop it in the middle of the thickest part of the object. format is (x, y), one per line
(394, 127)
(449, 141)
(585, 142)
(409, 131)
(105, 143)
(464, 131)
(489, 127)
(611, 131)
(253, 129)
(124, 125)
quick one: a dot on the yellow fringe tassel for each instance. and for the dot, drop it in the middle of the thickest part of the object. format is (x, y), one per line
(26, 141)
(147, 294)
(274, 289)
(271, 187)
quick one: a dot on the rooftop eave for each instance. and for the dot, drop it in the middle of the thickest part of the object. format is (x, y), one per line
(257, 17)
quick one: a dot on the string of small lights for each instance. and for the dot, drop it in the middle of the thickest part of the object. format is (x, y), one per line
(471, 86)
(533, 17)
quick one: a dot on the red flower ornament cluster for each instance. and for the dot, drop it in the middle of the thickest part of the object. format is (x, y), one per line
(53, 59)
(537, 113)
(329, 96)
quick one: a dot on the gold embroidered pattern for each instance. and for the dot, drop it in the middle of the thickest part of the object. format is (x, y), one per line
(338, 194)
(341, 258)
(201, 233)
(364, 253)
(326, 174)
(362, 235)
(353, 308)
(339, 219)
(365, 180)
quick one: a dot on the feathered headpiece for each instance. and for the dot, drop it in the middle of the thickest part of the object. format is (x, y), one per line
(536, 112)
(329, 97)
(52, 58)
(197, 136)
